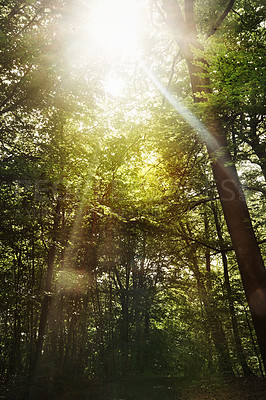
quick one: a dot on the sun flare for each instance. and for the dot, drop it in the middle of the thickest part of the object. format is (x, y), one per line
(115, 25)
(114, 85)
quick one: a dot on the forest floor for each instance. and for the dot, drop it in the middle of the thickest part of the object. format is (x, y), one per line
(174, 389)
(156, 389)
(237, 389)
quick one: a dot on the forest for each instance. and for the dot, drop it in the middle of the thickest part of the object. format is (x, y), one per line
(132, 200)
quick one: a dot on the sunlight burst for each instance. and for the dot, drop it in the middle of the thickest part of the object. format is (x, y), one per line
(115, 25)
(114, 85)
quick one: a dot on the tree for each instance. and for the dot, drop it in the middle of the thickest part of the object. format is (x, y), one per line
(111, 257)
(231, 195)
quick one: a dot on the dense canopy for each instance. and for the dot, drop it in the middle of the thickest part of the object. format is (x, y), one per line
(132, 192)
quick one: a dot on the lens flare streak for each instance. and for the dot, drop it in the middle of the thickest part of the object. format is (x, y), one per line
(188, 116)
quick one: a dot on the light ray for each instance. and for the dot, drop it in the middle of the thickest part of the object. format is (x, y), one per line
(188, 116)
(230, 184)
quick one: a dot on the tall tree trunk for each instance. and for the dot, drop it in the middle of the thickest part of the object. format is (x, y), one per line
(15, 350)
(212, 315)
(232, 198)
(237, 339)
(214, 322)
(46, 299)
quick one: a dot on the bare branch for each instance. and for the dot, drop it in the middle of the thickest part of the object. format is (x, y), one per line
(256, 189)
(177, 56)
(220, 20)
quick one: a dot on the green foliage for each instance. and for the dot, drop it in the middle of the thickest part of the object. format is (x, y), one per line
(120, 189)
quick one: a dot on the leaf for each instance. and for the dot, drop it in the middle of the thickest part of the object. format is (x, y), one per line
(2, 37)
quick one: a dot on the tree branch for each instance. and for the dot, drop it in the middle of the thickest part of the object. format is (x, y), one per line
(256, 189)
(174, 18)
(220, 20)
(189, 15)
(11, 94)
(177, 56)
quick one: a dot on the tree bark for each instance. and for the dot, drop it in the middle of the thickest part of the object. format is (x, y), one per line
(232, 198)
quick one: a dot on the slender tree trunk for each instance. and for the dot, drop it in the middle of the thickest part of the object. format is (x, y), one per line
(46, 300)
(212, 314)
(214, 323)
(251, 137)
(237, 339)
(15, 353)
(232, 198)
(254, 342)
